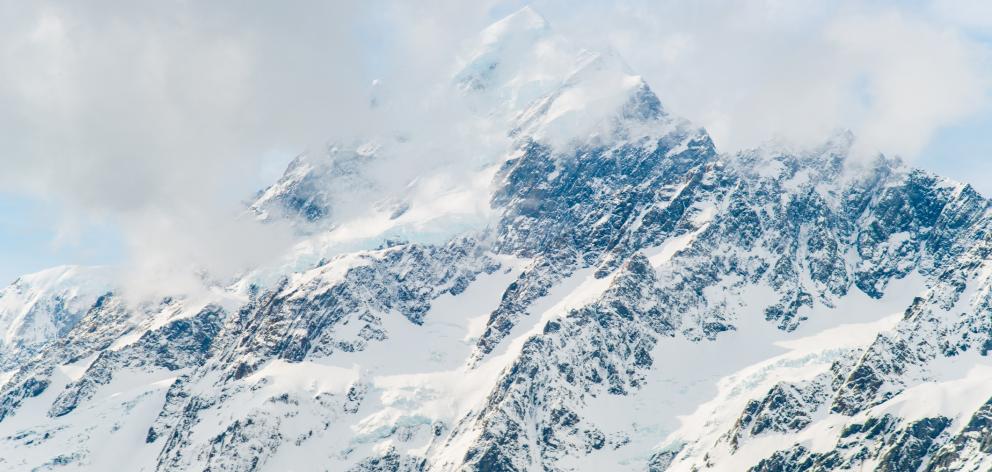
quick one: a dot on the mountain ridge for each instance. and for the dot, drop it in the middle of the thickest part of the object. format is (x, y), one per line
(641, 302)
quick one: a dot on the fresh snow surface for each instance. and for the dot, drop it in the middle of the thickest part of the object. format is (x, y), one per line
(112, 427)
(24, 303)
(38, 307)
(698, 389)
(418, 376)
(725, 374)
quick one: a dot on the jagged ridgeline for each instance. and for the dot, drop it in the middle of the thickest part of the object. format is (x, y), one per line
(639, 301)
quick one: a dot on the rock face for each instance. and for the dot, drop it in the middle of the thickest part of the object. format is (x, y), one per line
(639, 302)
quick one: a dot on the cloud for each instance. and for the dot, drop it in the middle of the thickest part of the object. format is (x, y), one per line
(976, 14)
(160, 118)
(150, 116)
(918, 77)
(894, 73)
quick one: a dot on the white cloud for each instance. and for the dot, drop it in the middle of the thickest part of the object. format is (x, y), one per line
(969, 13)
(750, 70)
(159, 117)
(148, 116)
(918, 78)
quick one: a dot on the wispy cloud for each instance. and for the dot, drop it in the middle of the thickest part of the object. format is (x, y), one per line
(158, 117)
(893, 72)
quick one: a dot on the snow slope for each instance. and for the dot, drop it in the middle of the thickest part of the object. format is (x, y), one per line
(38, 307)
(627, 299)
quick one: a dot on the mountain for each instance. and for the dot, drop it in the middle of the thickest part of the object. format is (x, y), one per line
(39, 307)
(633, 300)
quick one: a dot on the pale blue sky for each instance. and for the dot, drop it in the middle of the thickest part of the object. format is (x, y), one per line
(81, 91)
(29, 239)
(963, 152)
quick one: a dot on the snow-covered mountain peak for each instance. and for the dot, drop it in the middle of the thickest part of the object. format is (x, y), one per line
(313, 180)
(39, 307)
(827, 167)
(633, 300)
(521, 25)
(527, 83)
(502, 45)
(543, 85)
